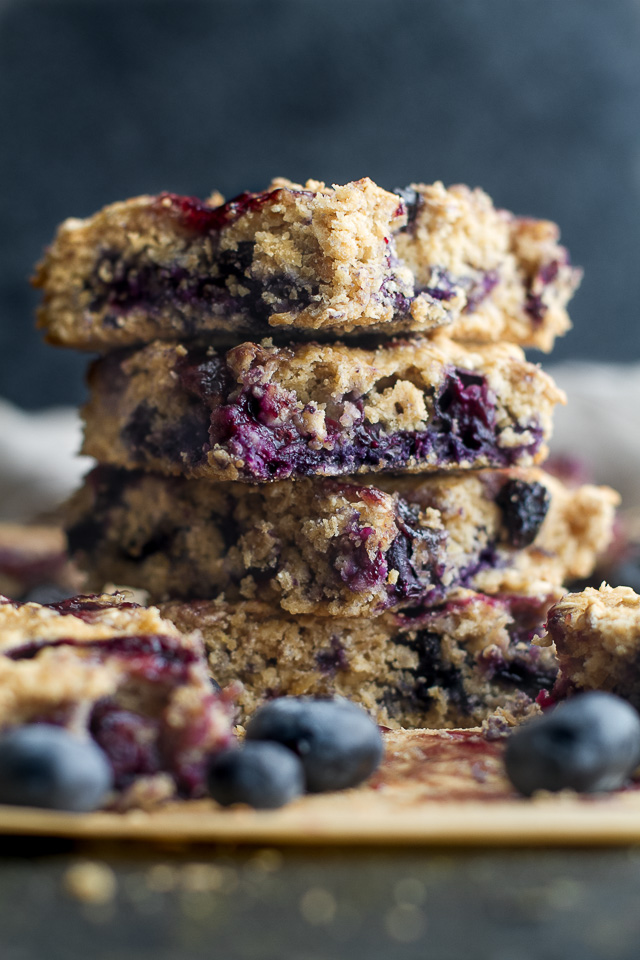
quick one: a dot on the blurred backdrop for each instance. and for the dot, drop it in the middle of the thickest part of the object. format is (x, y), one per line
(537, 101)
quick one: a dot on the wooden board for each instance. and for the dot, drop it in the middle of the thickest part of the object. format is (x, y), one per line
(435, 787)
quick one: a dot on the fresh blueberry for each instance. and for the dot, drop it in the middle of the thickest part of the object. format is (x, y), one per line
(263, 775)
(590, 743)
(338, 743)
(215, 686)
(45, 766)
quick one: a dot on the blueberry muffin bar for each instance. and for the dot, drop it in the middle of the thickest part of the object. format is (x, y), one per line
(335, 547)
(260, 412)
(447, 666)
(305, 260)
(596, 636)
(107, 668)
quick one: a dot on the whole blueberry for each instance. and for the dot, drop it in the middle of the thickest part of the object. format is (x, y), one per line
(589, 743)
(338, 743)
(524, 507)
(263, 775)
(45, 766)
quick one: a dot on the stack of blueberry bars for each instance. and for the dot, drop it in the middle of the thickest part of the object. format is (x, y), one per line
(319, 446)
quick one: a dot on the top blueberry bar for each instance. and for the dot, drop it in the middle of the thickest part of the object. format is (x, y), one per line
(306, 261)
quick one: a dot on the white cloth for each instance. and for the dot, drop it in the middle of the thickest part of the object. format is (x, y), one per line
(601, 423)
(39, 464)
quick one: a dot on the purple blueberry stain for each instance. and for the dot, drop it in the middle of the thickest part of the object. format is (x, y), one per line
(535, 305)
(478, 290)
(358, 567)
(332, 659)
(129, 740)
(441, 285)
(414, 691)
(520, 667)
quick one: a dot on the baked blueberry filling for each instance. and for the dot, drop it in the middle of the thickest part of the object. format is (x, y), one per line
(412, 201)
(120, 285)
(480, 289)
(517, 668)
(170, 441)
(333, 658)
(85, 608)
(353, 562)
(524, 507)
(202, 218)
(223, 280)
(129, 740)
(412, 568)
(416, 555)
(525, 673)
(535, 305)
(262, 428)
(154, 658)
(441, 285)
(430, 671)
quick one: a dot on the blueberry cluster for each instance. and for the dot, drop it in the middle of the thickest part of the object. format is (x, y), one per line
(293, 745)
(296, 745)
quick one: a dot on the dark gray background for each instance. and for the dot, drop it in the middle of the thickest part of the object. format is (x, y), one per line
(538, 101)
(476, 904)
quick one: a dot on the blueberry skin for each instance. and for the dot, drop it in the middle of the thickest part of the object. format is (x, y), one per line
(263, 775)
(591, 743)
(45, 766)
(338, 743)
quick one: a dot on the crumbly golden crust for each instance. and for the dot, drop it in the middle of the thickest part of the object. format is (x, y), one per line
(259, 411)
(334, 547)
(104, 667)
(596, 634)
(528, 273)
(450, 666)
(107, 616)
(307, 258)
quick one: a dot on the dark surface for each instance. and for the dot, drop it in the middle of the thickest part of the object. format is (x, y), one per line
(537, 101)
(340, 905)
